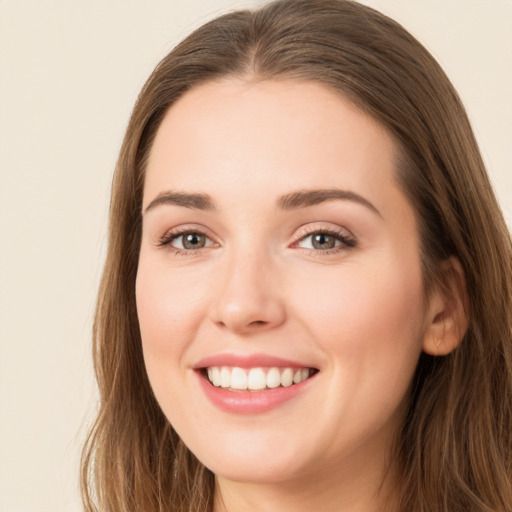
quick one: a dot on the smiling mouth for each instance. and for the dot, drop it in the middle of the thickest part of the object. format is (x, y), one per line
(233, 378)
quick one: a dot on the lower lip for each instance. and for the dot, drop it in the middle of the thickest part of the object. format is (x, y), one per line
(250, 402)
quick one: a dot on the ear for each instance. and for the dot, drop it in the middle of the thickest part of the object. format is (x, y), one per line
(447, 312)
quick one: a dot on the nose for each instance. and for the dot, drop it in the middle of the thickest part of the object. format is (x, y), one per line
(249, 298)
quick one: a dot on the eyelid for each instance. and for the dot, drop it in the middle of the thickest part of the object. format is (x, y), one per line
(165, 241)
(347, 239)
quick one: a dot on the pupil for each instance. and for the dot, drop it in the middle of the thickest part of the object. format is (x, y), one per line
(193, 241)
(323, 241)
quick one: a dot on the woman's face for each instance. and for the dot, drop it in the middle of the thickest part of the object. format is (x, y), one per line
(278, 250)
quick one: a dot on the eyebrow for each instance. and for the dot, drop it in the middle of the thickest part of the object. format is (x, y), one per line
(195, 201)
(305, 198)
(292, 201)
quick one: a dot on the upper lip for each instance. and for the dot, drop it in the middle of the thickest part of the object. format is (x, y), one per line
(248, 361)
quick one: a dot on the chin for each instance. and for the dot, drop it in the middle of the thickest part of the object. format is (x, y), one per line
(251, 462)
(255, 471)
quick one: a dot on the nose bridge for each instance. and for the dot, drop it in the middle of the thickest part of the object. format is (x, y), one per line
(248, 297)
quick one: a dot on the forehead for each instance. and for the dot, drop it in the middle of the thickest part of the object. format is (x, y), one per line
(268, 137)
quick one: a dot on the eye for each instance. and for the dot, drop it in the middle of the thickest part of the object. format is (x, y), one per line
(324, 240)
(186, 241)
(319, 241)
(190, 241)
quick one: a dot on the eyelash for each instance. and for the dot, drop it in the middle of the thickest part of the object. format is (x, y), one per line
(171, 236)
(347, 241)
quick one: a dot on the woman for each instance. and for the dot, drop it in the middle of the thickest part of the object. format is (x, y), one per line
(307, 295)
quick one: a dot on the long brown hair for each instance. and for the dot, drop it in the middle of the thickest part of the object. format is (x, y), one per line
(455, 448)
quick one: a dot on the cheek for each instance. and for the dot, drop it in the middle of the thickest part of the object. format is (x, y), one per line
(369, 319)
(369, 324)
(359, 302)
(168, 310)
(168, 307)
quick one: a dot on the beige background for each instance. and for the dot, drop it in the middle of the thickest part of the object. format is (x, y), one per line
(69, 73)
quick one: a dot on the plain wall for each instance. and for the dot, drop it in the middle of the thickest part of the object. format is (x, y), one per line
(70, 71)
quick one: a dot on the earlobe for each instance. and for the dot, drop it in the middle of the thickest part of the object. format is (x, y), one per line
(448, 312)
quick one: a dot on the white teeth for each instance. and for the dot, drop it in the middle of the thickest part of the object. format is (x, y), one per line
(225, 377)
(214, 375)
(238, 379)
(287, 378)
(273, 378)
(255, 379)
